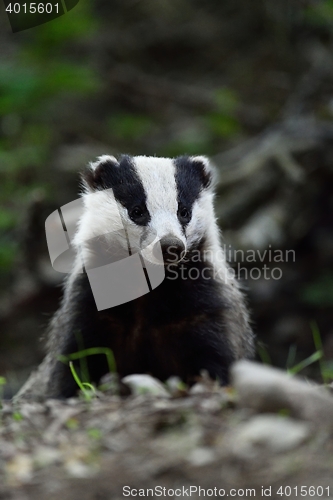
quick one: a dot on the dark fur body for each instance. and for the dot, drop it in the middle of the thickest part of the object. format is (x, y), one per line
(176, 329)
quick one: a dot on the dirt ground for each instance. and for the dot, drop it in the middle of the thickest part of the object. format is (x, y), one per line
(166, 445)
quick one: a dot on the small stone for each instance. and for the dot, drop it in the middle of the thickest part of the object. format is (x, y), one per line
(273, 433)
(78, 469)
(46, 455)
(201, 456)
(198, 388)
(268, 390)
(176, 386)
(20, 469)
(145, 384)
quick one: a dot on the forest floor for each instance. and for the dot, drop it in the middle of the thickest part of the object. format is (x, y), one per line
(269, 435)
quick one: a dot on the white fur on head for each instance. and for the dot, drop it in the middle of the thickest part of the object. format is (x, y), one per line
(203, 160)
(158, 178)
(102, 159)
(101, 216)
(209, 169)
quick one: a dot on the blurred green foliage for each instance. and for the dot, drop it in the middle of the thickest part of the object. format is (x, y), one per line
(54, 64)
(320, 13)
(2, 384)
(7, 219)
(205, 132)
(192, 139)
(197, 134)
(129, 126)
(8, 252)
(43, 70)
(319, 293)
(49, 67)
(223, 121)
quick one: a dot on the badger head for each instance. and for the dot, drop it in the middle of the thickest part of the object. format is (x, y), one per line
(141, 200)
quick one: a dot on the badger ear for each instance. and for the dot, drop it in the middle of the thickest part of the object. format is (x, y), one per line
(99, 174)
(206, 170)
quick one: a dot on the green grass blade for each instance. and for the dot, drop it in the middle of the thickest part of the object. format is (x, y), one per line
(76, 377)
(291, 356)
(319, 347)
(91, 352)
(263, 353)
(316, 356)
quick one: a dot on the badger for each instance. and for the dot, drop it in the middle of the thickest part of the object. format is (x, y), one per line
(195, 319)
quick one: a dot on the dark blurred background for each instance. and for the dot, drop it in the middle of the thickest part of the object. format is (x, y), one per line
(247, 83)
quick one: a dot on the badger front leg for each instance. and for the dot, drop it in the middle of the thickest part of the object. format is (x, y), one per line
(74, 327)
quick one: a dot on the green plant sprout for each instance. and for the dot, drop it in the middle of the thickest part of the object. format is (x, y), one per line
(319, 347)
(318, 355)
(91, 352)
(88, 389)
(326, 369)
(17, 416)
(2, 384)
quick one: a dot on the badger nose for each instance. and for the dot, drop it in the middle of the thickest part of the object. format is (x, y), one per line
(172, 249)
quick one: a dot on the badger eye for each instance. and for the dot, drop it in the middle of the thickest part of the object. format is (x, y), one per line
(184, 214)
(136, 212)
(139, 215)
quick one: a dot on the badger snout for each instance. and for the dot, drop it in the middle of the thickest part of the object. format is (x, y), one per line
(173, 249)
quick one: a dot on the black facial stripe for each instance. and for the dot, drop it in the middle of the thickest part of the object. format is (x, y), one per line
(129, 190)
(189, 185)
(125, 183)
